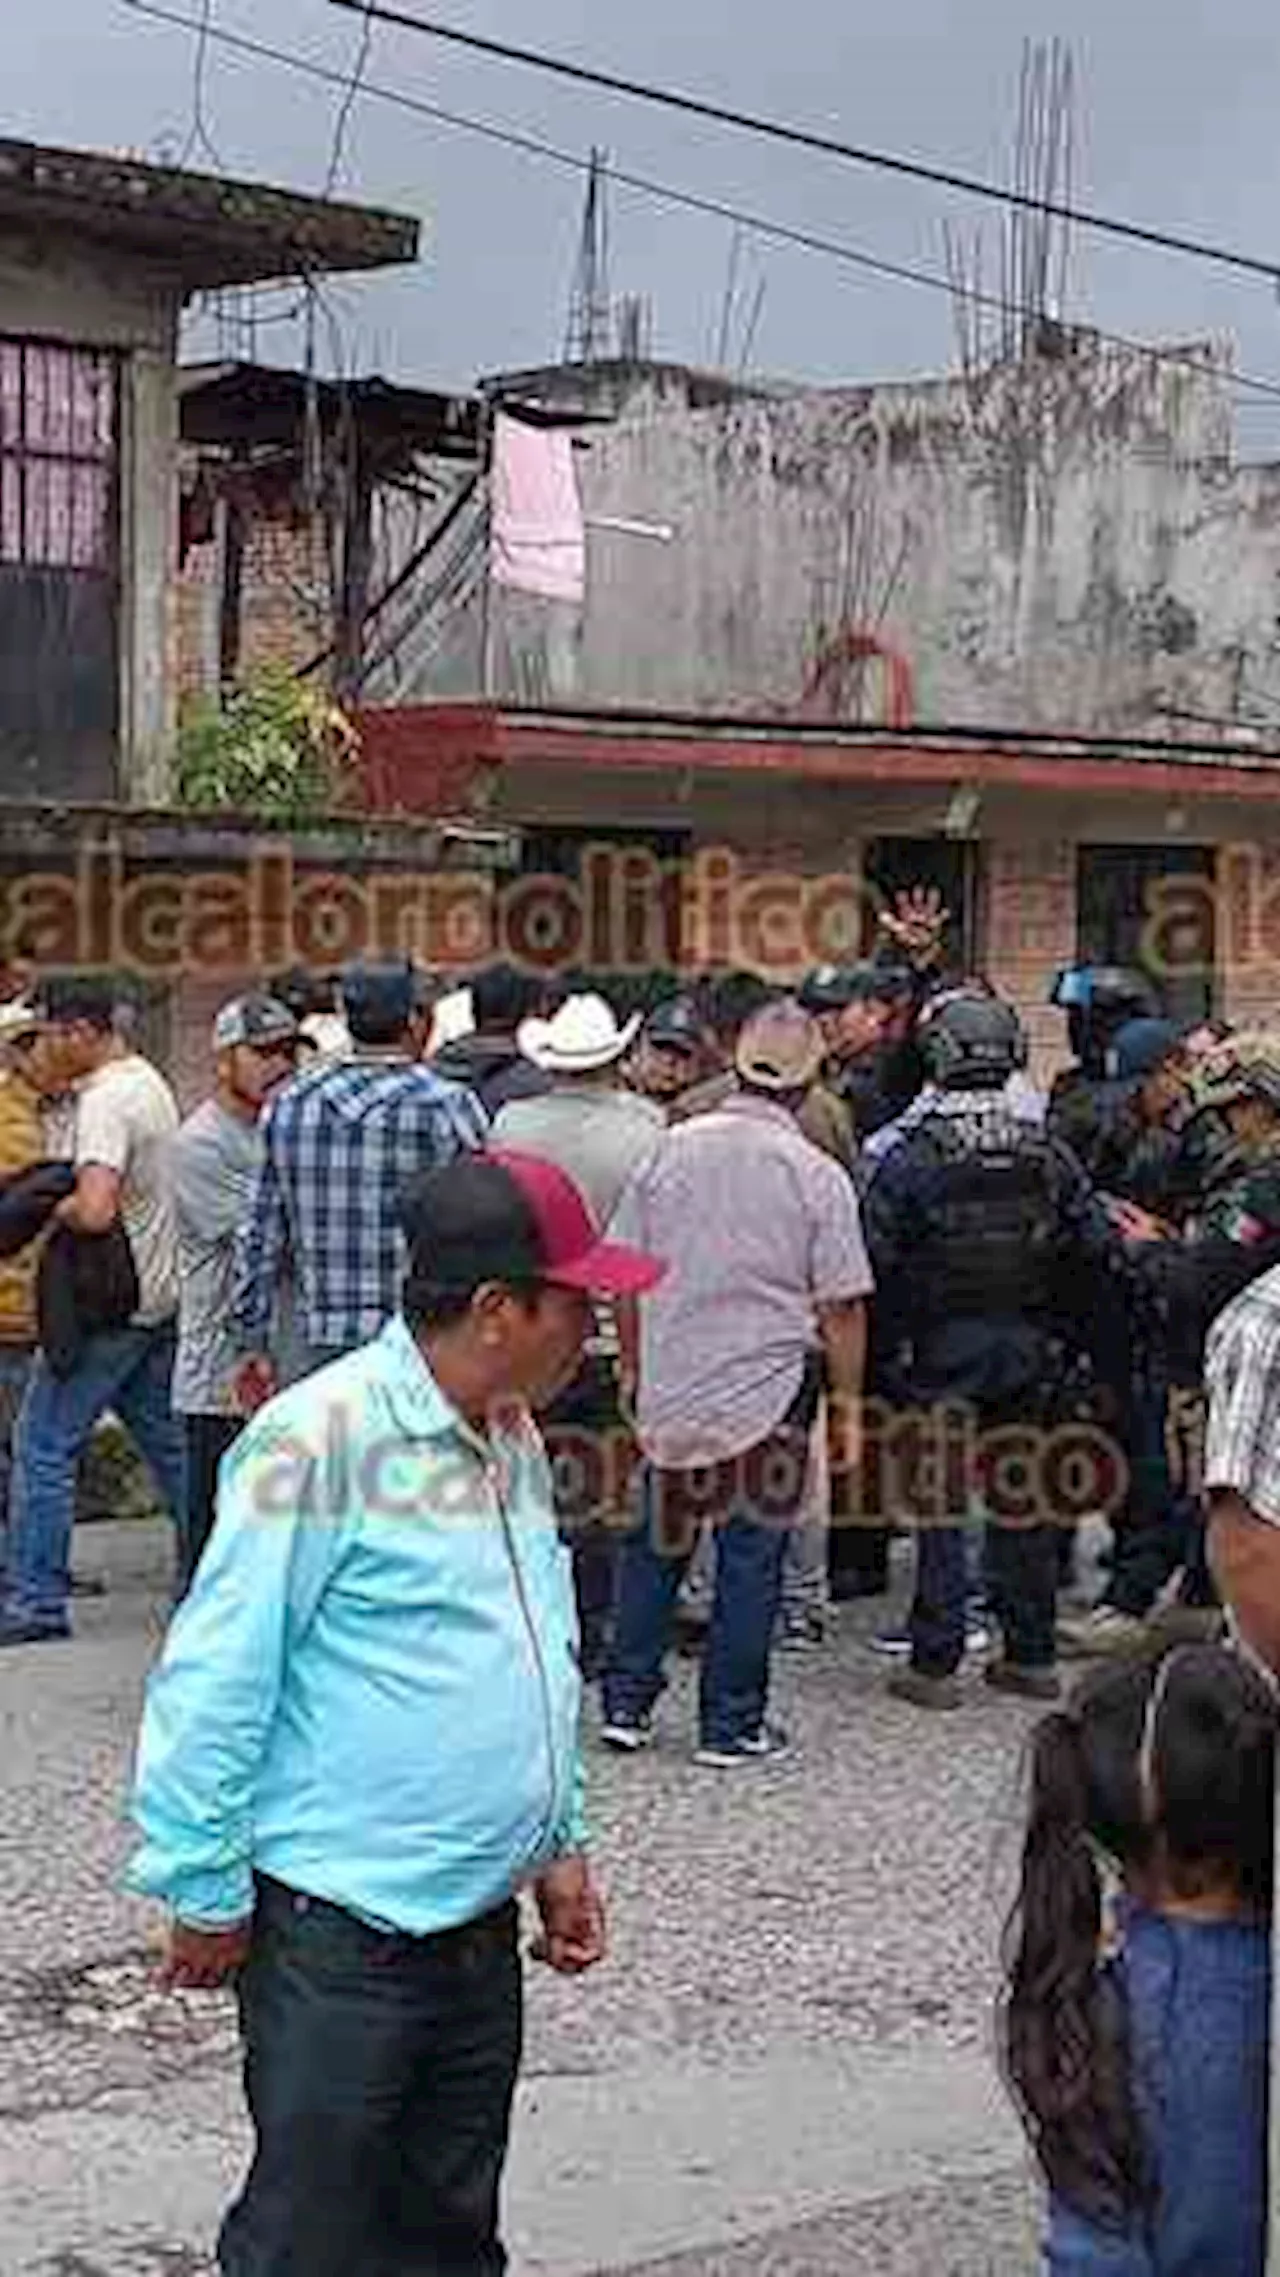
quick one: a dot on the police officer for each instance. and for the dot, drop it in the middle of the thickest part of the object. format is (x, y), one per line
(1184, 1278)
(1098, 1000)
(995, 1265)
(867, 1014)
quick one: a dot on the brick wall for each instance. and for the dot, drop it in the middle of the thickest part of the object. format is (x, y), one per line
(1029, 930)
(286, 611)
(1248, 943)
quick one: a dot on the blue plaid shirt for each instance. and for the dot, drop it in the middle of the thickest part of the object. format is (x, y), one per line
(340, 1145)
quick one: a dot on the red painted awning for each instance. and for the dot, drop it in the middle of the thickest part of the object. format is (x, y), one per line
(440, 757)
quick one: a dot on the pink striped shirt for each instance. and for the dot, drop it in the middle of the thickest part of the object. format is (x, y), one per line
(758, 1229)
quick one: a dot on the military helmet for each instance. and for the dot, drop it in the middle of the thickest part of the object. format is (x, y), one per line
(1246, 1066)
(970, 1042)
(1112, 993)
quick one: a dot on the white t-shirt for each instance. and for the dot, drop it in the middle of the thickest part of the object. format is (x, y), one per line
(126, 1119)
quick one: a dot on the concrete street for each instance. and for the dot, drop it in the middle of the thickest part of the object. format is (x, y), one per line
(785, 2067)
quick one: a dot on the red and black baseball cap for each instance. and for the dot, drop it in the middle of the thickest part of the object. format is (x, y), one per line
(507, 1216)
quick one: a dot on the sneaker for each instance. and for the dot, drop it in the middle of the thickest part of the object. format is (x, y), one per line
(892, 1644)
(20, 1629)
(911, 1684)
(1104, 1634)
(1027, 1683)
(761, 1746)
(802, 1632)
(627, 1734)
(895, 1644)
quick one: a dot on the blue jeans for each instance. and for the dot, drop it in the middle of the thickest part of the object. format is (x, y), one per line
(751, 1502)
(128, 1370)
(15, 1367)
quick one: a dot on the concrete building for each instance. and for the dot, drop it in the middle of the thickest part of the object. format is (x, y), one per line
(98, 257)
(1012, 634)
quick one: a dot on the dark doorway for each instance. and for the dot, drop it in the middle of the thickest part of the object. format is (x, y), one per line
(612, 905)
(949, 866)
(1152, 908)
(59, 570)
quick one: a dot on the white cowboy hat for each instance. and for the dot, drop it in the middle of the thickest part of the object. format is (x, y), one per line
(581, 1036)
(17, 1019)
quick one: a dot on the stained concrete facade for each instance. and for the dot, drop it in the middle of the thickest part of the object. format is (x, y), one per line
(1065, 545)
(56, 293)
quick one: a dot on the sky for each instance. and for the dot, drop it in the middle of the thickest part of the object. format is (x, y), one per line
(1175, 122)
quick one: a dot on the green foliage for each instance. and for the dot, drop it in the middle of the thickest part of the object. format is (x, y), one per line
(276, 747)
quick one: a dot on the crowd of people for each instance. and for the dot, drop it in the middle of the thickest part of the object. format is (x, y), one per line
(786, 1274)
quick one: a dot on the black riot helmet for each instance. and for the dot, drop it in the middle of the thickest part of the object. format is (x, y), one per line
(970, 1042)
(1098, 999)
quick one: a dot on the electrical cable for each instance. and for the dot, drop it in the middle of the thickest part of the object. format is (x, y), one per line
(808, 138)
(690, 201)
(198, 137)
(358, 69)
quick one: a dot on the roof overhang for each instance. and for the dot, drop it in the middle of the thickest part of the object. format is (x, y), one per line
(403, 739)
(204, 230)
(34, 830)
(243, 406)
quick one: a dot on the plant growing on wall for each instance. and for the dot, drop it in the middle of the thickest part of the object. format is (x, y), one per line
(276, 746)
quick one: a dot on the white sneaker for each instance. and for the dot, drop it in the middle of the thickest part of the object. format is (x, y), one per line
(627, 1735)
(760, 1747)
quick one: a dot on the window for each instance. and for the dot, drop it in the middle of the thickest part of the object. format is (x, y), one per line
(59, 583)
(57, 457)
(1134, 912)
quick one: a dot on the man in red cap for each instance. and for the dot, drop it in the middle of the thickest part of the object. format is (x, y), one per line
(362, 1741)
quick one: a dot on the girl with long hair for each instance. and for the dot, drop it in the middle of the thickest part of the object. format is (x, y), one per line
(1134, 2018)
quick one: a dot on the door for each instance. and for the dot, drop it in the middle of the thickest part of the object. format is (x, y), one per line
(59, 582)
(1151, 908)
(948, 866)
(599, 909)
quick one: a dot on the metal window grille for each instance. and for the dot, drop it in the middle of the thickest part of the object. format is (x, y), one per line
(59, 424)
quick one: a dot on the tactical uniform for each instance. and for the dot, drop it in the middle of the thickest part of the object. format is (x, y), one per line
(1098, 1000)
(995, 1267)
(1181, 1285)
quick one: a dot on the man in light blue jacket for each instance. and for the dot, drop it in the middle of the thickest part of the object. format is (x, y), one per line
(362, 1741)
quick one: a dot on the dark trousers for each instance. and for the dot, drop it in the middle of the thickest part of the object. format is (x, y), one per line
(1021, 1564)
(582, 1430)
(208, 1439)
(751, 1502)
(1160, 1526)
(379, 2073)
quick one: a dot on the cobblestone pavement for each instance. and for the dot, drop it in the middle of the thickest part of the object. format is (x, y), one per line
(784, 2069)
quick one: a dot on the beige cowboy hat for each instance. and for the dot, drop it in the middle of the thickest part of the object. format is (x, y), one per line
(581, 1036)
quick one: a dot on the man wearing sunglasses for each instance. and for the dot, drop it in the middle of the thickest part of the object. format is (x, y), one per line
(215, 1159)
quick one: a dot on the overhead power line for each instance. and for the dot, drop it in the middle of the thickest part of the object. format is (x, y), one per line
(665, 193)
(198, 136)
(808, 138)
(348, 103)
